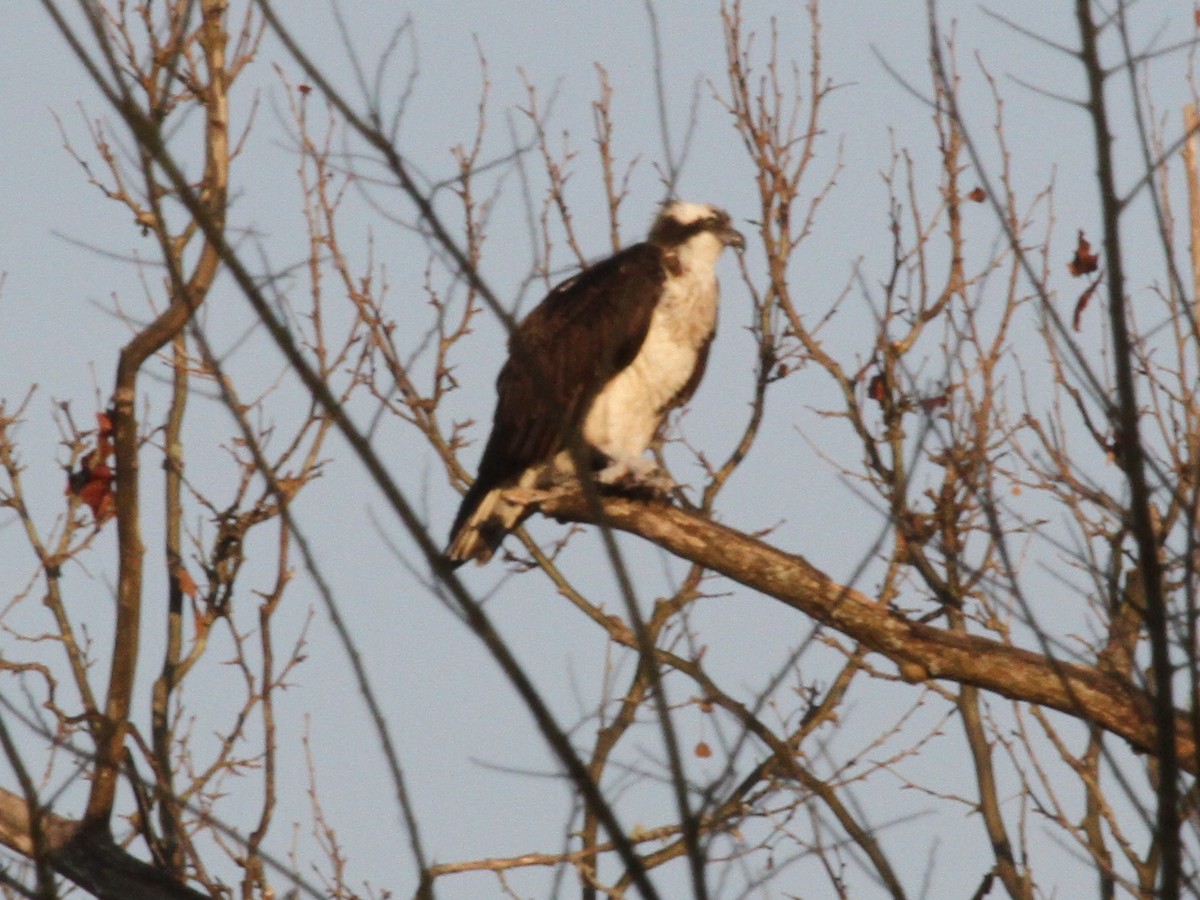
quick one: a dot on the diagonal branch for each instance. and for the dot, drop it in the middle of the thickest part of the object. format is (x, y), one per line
(186, 297)
(920, 651)
(95, 863)
(1133, 459)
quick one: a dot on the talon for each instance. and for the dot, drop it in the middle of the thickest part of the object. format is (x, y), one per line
(635, 474)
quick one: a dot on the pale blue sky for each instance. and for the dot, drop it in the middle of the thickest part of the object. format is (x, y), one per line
(456, 723)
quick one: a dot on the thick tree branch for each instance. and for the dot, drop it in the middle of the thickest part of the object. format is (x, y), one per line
(110, 733)
(1133, 459)
(919, 650)
(88, 858)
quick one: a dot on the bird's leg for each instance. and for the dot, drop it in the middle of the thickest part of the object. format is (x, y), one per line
(634, 473)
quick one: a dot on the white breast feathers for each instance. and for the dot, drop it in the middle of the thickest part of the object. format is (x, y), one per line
(627, 413)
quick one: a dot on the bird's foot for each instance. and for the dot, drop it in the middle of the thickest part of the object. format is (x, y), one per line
(635, 475)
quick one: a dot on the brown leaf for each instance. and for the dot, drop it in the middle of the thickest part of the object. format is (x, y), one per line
(877, 388)
(94, 481)
(1085, 261)
(929, 404)
(304, 88)
(1082, 302)
(186, 584)
(978, 195)
(94, 486)
(703, 750)
(104, 435)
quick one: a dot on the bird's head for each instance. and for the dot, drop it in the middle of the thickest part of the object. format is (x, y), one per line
(700, 228)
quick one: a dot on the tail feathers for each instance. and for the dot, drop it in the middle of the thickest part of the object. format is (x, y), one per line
(480, 532)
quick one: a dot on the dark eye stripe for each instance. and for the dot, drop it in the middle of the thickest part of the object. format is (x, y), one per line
(668, 232)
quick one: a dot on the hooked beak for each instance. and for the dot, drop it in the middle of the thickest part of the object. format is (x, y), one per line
(731, 237)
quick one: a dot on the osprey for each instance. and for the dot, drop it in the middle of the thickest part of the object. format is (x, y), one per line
(603, 358)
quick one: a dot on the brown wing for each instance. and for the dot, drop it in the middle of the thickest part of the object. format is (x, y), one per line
(586, 330)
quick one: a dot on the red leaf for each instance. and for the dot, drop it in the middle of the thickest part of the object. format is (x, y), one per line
(94, 482)
(1085, 261)
(185, 582)
(877, 388)
(104, 436)
(94, 486)
(978, 195)
(929, 404)
(1082, 302)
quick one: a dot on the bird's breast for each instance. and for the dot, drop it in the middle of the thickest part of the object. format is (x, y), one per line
(629, 409)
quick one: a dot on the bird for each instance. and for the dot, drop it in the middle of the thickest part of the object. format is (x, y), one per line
(594, 370)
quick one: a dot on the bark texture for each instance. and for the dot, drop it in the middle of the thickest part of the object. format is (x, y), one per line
(920, 651)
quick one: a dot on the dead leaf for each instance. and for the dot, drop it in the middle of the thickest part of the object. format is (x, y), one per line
(94, 482)
(1082, 302)
(978, 195)
(877, 388)
(1085, 261)
(186, 584)
(703, 750)
(929, 404)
